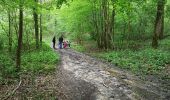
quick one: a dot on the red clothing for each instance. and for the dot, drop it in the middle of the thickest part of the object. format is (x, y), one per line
(65, 44)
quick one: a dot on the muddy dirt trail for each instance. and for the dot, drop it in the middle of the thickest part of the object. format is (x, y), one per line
(81, 77)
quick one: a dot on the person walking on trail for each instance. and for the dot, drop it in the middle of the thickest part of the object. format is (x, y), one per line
(60, 41)
(54, 40)
(64, 44)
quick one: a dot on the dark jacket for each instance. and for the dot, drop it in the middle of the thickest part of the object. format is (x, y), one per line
(53, 39)
(61, 39)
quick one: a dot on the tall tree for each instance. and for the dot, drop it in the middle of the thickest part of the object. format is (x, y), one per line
(107, 37)
(158, 29)
(18, 54)
(36, 24)
(41, 25)
(112, 27)
(162, 4)
(15, 22)
(9, 31)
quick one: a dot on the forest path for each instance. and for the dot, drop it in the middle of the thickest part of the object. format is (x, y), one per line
(81, 77)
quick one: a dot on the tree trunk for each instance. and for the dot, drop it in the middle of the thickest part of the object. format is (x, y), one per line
(15, 23)
(9, 33)
(106, 25)
(112, 24)
(100, 17)
(18, 54)
(112, 29)
(96, 23)
(36, 25)
(162, 5)
(41, 27)
(158, 29)
(103, 24)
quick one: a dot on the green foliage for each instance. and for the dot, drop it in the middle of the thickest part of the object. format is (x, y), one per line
(75, 19)
(134, 20)
(165, 44)
(78, 47)
(1, 44)
(40, 61)
(43, 60)
(7, 67)
(134, 23)
(146, 61)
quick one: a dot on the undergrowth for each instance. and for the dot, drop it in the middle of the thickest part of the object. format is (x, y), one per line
(147, 61)
(78, 47)
(7, 67)
(43, 60)
(40, 61)
(138, 57)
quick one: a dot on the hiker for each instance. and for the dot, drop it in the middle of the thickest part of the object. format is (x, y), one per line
(64, 44)
(60, 41)
(54, 42)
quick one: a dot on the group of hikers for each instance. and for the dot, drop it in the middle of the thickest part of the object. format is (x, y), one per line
(61, 42)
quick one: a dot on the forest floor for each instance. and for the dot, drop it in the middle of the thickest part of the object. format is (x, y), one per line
(30, 87)
(81, 77)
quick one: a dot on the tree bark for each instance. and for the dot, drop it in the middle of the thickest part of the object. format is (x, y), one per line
(15, 23)
(106, 38)
(103, 24)
(41, 27)
(18, 54)
(158, 29)
(112, 29)
(36, 25)
(162, 5)
(9, 33)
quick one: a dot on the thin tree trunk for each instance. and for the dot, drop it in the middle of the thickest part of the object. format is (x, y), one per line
(27, 36)
(41, 27)
(104, 23)
(18, 53)
(9, 33)
(101, 26)
(112, 29)
(111, 19)
(129, 23)
(108, 25)
(36, 25)
(16, 24)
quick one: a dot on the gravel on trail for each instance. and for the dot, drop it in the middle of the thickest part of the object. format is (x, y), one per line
(81, 77)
